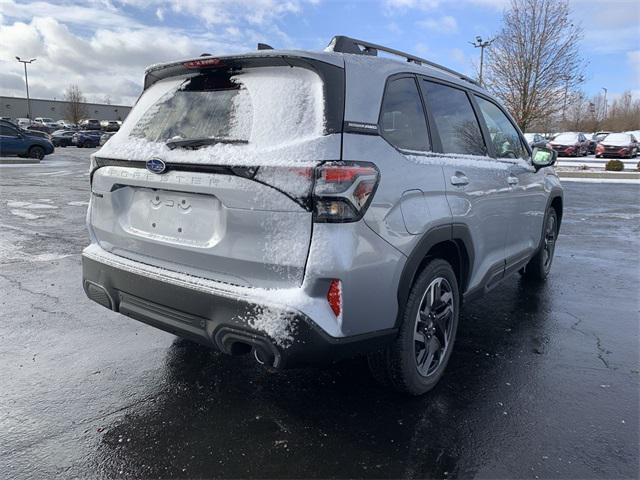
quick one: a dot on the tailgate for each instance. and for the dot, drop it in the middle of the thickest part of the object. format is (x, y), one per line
(218, 226)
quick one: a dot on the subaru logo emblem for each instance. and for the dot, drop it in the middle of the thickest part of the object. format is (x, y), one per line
(155, 165)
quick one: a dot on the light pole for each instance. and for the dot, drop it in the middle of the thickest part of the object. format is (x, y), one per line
(605, 103)
(26, 81)
(481, 45)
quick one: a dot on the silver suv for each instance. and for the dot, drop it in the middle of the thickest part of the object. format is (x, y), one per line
(310, 206)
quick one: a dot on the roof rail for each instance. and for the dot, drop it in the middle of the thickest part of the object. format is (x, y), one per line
(343, 44)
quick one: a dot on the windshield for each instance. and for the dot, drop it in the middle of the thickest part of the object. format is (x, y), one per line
(566, 138)
(617, 138)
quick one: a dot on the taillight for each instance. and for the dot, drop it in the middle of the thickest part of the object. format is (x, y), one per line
(599, 148)
(334, 297)
(343, 190)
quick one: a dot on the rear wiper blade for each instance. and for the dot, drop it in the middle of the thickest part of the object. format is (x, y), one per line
(201, 142)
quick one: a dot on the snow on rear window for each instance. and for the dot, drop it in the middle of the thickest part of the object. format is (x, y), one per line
(269, 107)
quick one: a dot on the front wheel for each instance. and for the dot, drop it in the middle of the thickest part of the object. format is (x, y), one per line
(416, 360)
(36, 152)
(539, 266)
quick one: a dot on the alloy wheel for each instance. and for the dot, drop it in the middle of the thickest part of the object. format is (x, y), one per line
(549, 242)
(433, 326)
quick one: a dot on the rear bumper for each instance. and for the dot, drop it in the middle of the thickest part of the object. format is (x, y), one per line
(231, 324)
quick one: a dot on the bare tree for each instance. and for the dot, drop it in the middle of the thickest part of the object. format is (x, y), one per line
(76, 109)
(535, 61)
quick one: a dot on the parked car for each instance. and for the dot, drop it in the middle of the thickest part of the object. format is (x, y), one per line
(105, 137)
(86, 138)
(90, 124)
(63, 138)
(23, 122)
(111, 126)
(40, 127)
(570, 144)
(257, 220)
(47, 122)
(65, 125)
(16, 141)
(619, 145)
(591, 144)
(536, 140)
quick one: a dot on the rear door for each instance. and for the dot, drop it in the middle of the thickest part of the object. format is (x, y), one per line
(477, 188)
(527, 196)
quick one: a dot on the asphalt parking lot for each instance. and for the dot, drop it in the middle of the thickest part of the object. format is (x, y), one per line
(543, 382)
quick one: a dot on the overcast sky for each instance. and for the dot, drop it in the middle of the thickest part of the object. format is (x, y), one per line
(104, 45)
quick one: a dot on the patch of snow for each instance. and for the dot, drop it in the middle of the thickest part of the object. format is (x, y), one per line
(31, 206)
(277, 324)
(25, 214)
(78, 204)
(463, 160)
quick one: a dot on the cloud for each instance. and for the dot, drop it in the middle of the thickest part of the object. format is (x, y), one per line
(104, 50)
(444, 24)
(394, 5)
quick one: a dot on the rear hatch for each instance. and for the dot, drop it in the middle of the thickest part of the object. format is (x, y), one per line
(212, 172)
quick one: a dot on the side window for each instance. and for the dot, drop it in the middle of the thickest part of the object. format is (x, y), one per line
(504, 136)
(7, 131)
(454, 118)
(402, 120)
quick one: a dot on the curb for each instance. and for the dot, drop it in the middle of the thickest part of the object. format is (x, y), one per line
(18, 161)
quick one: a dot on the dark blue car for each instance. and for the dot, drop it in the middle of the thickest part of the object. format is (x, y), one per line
(16, 141)
(87, 138)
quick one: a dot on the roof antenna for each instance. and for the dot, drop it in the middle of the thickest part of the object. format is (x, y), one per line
(264, 46)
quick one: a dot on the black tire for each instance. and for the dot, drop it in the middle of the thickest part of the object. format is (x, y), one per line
(415, 361)
(539, 266)
(36, 152)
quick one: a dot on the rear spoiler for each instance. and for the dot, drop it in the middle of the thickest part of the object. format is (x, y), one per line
(331, 74)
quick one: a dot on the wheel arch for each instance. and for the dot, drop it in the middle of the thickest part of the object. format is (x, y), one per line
(557, 204)
(450, 242)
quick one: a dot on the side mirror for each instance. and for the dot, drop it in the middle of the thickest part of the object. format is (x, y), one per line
(543, 157)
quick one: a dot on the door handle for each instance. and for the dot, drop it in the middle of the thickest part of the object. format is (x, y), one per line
(459, 179)
(512, 180)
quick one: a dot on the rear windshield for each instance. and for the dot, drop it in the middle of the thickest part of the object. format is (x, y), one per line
(264, 106)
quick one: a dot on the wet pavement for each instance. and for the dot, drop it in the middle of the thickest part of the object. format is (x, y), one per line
(543, 381)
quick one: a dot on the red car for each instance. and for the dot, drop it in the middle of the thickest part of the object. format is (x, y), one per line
(618, 145)
(570, 144)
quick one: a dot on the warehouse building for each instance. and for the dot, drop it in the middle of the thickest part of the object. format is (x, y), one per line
(16, 107)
